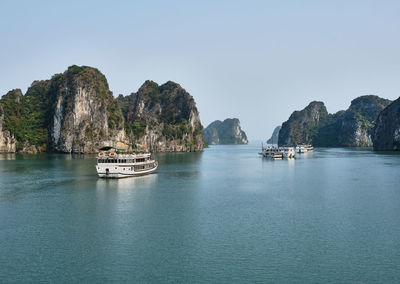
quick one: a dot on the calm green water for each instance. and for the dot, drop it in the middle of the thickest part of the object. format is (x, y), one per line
(225, 215)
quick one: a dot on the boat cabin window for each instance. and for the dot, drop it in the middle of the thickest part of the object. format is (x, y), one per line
(115, 160)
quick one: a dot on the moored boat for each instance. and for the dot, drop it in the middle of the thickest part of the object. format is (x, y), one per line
(277, 153)
(304, 148)
(111, 163)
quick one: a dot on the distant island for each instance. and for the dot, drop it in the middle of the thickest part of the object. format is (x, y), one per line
(75, 112)
(225, 132)
(275, 136)
(370, 121)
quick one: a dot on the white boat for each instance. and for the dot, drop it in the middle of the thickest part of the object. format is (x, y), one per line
(112, 164)
(288, 152)
(278, 153)
(304, 148)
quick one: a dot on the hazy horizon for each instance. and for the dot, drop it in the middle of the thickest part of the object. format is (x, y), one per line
(256, 61)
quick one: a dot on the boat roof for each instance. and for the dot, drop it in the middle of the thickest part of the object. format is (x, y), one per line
(107, 148)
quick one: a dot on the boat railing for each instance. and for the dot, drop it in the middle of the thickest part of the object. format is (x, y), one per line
(123, 156)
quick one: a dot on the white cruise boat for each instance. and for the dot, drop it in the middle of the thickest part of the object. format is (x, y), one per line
(278, 153)
(304, 148)
(112, 164)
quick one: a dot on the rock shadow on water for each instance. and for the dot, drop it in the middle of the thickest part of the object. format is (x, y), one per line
(388, 153)
(185, 174)
(18, 156)
(347, 152)
(178, 157)
(19, 189)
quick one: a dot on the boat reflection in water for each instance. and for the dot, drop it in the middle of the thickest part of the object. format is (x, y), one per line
(137, 182)
(145, 181)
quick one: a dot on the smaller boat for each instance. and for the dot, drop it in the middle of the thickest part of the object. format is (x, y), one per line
(276, 156)
(304, 148)
(288, 152)
(111, 163)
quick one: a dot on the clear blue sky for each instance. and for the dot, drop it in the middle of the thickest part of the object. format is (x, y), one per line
(254, 60)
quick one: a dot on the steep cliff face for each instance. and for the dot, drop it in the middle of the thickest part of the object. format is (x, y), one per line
(7, 140)
(85, 115)
(75, 112)
(387, 129)
(350, 128)
(163, 118)
(275, 136)
(302, 125)
(226, 132)
(327, 132)
(358, 121)
(211, 133)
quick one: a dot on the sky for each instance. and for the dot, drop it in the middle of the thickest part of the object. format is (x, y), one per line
(254, 60)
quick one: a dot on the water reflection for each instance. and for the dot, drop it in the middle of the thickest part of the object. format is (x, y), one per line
(6, 157)
(305, 155)
(145, 181)
(16, 156)
(124, 194)
(221, 213)
(178, 158)
(291, 162)
(343, 152)
(45, 156)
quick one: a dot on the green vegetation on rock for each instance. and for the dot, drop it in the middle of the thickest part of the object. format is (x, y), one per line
(76, 112)
(167, 112)
(302, 125)
(350, 128)
(26, 116)
(225, 132)
(386, 132)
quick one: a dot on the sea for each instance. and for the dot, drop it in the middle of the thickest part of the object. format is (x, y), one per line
(225, 215)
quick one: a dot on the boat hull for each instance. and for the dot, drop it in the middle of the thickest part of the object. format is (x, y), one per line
(302, 149)
(122, 171)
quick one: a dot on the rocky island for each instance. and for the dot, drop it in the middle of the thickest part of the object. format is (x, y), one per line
(301, 126)
(387, 128)
(75, 112)
(353, 127)
(275, 136)
(225, 132)
(164, 117)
